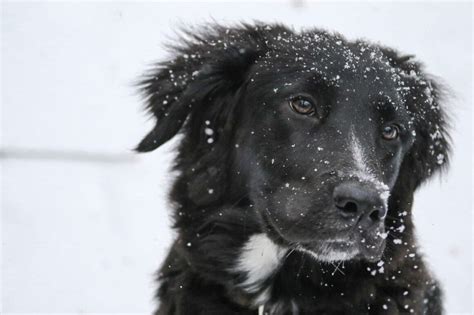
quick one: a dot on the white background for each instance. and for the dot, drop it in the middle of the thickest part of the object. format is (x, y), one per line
(86, 234)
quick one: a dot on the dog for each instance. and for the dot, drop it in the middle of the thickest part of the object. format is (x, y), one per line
(299, 158)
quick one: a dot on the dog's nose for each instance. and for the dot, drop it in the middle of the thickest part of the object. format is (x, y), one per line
(360, 203)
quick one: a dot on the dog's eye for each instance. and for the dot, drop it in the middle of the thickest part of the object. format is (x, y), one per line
(302, 106)
(391, 132)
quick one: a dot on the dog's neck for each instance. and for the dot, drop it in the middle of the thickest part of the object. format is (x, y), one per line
(255, 262)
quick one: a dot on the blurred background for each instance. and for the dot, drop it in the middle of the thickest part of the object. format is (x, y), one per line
(85, 221)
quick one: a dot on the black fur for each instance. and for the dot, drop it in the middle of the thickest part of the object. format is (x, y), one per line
(267, 169)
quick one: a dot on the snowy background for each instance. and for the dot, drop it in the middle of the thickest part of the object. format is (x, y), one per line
(84, 221)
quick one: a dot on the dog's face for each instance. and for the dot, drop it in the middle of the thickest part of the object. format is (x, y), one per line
(323, 144)
(317, 131)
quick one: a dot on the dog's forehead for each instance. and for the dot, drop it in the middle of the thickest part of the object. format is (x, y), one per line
(329, 56)
(355, 69)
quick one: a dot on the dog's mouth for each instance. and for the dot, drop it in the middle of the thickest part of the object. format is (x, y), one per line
(330, 251)
(368, 249)
(352, 245)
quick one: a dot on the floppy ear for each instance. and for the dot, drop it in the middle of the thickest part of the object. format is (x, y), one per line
(207, 66)
(424, 98)
(429, 153)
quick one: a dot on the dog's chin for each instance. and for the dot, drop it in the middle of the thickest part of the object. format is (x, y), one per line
(332, 251)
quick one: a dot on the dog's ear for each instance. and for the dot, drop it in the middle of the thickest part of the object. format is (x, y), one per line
(207, 66)
(425, 100)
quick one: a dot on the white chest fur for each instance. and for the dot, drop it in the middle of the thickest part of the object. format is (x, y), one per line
(259, 259)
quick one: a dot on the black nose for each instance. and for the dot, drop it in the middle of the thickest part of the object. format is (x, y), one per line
(359, 202)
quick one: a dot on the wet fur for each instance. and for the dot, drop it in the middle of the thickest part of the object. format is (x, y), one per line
(214, 216)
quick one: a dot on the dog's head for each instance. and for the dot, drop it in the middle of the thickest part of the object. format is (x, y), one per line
(323, 136)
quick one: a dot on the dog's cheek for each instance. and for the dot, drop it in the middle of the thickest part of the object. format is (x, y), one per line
(203, 187)
(295, 214)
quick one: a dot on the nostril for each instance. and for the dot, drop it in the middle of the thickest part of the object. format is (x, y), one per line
(349, 207)
(376, 215)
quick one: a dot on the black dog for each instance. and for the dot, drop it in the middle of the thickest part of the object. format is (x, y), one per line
(300, 156)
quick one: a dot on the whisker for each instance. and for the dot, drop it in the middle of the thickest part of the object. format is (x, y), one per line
(336, 268)
(303, 260)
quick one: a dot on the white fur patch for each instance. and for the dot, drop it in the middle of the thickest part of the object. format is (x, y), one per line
(359, 157)
(363, 171)
(259, 259)
(262, 297)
